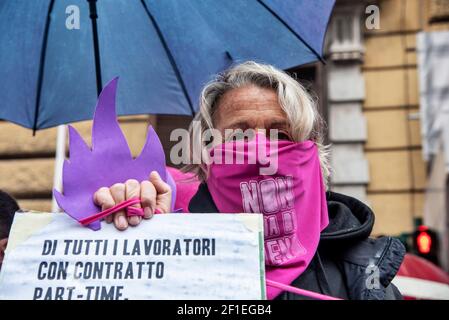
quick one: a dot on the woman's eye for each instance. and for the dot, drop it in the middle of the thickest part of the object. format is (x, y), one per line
(240, 135)
(284, 136)
(246, 136)
(235, 137)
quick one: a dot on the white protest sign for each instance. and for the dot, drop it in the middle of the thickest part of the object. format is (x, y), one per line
(171, 256)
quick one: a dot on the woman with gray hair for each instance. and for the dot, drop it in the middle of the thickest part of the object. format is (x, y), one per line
(254, 117)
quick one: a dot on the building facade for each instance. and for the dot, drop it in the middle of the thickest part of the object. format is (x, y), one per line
(375, 113)
(374, 107)
(433, 61)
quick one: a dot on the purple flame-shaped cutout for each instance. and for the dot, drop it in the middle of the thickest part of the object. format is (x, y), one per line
(108, 162)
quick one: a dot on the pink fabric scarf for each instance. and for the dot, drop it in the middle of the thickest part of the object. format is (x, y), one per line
(292, 200)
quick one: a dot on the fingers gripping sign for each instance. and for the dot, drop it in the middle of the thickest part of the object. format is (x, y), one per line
(103, 198)
(132, 190)
(118, 192)
(163, 191)
(155, 197)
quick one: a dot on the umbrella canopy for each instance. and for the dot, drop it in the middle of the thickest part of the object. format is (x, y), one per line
(164, 51)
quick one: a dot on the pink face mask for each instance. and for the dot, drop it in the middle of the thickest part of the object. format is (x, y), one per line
(283, 181)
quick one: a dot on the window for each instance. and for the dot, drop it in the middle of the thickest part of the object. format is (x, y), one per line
(344, 41)
(439, 11)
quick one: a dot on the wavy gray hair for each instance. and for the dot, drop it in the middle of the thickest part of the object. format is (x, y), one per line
(300, 108)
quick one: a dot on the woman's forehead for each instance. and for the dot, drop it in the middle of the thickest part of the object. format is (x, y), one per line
(247, 105)
(250, 95)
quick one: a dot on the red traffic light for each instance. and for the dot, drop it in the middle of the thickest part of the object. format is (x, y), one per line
(424, 242)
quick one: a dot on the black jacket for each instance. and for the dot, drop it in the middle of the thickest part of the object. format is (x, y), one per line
(348, 264)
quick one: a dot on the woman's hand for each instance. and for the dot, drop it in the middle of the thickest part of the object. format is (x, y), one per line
(155, 197)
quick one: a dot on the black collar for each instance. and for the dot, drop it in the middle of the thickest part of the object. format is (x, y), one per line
(349, 218)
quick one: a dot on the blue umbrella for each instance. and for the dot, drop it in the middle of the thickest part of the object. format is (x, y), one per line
(163, 50)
